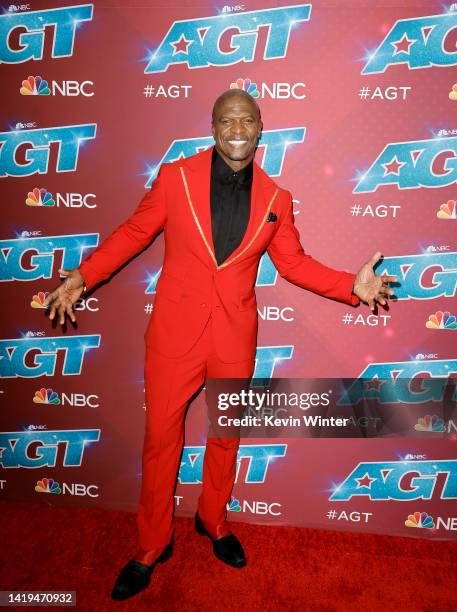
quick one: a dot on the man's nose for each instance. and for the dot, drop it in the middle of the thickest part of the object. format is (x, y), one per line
(237, 130)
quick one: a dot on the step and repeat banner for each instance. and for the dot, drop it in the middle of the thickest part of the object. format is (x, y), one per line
(359, 105)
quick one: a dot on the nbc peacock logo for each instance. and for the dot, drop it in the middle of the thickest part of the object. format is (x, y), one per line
(247, 86)
(47, 485)
(448, 210)
(430, 422)
(234, 505)
(39, 197)
(39, 299)
(46, 396)
(420, 520)
(35, 86)
(441, 320)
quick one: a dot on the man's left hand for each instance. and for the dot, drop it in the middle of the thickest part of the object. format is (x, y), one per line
(371, 288)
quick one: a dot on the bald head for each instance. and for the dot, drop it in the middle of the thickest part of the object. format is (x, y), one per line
(236, 127)
(234, 94)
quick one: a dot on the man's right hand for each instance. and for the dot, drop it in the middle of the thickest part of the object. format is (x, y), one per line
(62, 299)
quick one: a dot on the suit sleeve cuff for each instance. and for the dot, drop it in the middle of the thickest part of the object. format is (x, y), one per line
(90, 277)
(349, 281)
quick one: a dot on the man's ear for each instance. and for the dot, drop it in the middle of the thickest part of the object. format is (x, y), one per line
(260, 131)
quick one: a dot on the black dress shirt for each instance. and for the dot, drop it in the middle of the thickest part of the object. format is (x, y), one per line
(230, 205)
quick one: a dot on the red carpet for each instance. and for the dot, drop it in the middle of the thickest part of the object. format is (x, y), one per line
(57, 548)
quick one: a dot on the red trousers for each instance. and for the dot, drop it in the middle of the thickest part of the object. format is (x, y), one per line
(170, 383)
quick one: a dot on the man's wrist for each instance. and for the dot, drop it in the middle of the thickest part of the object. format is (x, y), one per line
(84, 281)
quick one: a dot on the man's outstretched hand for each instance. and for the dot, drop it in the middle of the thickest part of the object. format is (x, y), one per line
(370, 287)
(62, 299)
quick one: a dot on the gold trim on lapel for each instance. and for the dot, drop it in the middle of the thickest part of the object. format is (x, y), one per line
(197, 222)
(228, 261)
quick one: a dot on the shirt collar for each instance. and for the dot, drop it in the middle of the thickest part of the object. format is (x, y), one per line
(222, 173)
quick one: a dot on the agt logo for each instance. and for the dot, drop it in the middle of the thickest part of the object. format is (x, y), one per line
(420, 42)
(22, 35)
(411, 271)
(33, 357)
(49, 396)
(254, 507)
(267, 360)
(42, 197)
(275, 91)
(37, 449)
(196, 42)
(441, 320)
(90, 304)
(30, 259)
(49, 485)
(390, 383)
(37, 146)
(412, 164)
(256, 458)
(398, 480)
(274, 144)
(37, 86)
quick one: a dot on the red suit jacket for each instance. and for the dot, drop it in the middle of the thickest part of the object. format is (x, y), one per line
(192, 286)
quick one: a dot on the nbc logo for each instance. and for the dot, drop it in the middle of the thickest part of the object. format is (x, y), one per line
(47, 485)
(234, 505)
(448, 210)
(421, 520)
(35, 86)
(39, 299)
(254, 507)
(39, 197)
(79, 400)
(430, 423)
(46, 396)
(441, 320)
(43, 197)
(275, 91)
(247, 86)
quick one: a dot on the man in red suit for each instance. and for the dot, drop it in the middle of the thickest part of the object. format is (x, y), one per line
(219, 212)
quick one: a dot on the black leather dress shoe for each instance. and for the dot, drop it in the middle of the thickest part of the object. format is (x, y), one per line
(136, 576)
(228, 548)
